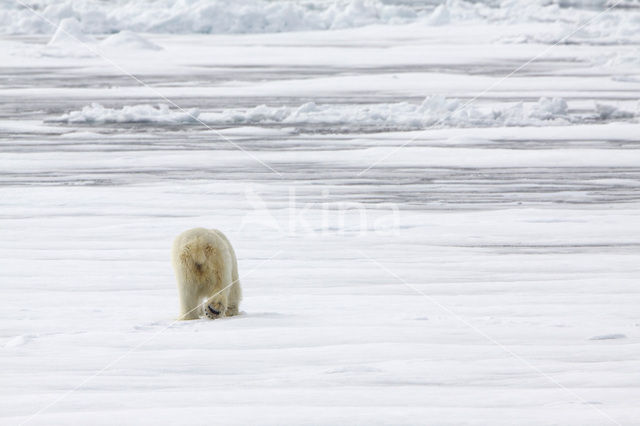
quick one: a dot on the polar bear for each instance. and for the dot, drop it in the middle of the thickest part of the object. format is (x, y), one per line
(206, 268)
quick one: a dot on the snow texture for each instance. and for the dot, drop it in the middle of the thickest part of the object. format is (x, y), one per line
(436, 211)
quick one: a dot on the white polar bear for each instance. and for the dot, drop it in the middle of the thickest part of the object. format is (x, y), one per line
(206, 268)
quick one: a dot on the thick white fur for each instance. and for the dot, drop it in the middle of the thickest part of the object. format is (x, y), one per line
(206, 268)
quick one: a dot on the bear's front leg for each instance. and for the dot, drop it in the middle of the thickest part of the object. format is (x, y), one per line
(215, 307)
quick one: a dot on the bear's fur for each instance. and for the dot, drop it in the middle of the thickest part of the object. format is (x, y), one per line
(206, 268)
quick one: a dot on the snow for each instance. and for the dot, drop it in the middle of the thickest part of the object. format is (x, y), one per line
(420, 239)
(70, 41)
(69, 31)
(129, 40)
(609, 337)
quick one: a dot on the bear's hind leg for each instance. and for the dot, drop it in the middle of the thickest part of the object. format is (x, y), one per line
(189, 302)
(231, 311)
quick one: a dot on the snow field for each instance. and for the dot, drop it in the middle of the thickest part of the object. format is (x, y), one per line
(407, 264)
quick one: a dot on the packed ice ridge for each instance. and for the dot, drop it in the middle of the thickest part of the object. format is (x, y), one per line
(160, 114)
(435, 111)
(201, 16)
(261, 16)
